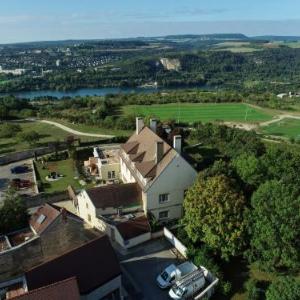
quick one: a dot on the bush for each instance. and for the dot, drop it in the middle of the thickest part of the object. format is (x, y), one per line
(252, 290)
(284, 288)
(8, 130)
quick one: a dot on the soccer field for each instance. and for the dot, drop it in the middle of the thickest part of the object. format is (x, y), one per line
(186, 112)
(286, 128)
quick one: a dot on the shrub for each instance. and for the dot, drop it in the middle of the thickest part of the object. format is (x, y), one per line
(252, 290)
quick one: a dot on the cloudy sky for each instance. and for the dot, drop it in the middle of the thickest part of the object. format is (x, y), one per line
(35, 20)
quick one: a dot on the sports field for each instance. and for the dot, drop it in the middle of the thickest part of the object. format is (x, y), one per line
(285, 128)
(189, 113)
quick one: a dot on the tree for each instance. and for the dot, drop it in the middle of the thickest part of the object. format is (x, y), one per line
(284, 288)
(249, 168)
(30, 137)
(13, 213)
(9, 130)
(214, 214)
(275, 235)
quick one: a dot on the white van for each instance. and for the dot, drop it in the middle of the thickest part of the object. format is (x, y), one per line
(173, 273)
(188, 286)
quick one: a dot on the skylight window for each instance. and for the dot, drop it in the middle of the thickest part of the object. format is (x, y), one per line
(41, 219)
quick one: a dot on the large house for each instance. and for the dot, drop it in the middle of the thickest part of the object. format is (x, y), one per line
(155, 178)
(159, 169)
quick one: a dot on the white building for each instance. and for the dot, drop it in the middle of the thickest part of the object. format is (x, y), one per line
(155, 177)
(160, 171)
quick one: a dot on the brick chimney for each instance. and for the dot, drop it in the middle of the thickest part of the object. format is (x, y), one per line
(177, 143)
(159, 152)
(139, 124)
(153, 125)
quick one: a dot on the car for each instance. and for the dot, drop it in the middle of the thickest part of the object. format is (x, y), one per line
(19, 169)
(20, 184)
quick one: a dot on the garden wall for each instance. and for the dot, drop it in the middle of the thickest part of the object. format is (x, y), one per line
(43, 198)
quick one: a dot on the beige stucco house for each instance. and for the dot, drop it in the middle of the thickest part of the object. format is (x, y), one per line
(159, 169)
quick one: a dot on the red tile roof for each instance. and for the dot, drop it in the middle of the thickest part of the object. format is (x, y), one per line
(93, 265)
(133, 228)
(43, 218)
(63, 290)
(115, 195)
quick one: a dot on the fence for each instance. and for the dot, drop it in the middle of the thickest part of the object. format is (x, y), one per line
(175, 242)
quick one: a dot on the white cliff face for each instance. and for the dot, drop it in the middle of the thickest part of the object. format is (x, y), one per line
(171, 64)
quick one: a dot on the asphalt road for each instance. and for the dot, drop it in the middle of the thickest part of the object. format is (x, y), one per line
(145, 264)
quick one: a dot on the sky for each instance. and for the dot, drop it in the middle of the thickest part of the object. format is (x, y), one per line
(40, 20)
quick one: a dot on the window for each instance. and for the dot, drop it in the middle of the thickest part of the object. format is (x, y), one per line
(113, 174)
(86, 205)
(163, 198)
(89, 218)
(163, 214)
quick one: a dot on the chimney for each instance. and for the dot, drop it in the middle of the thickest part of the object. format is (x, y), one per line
(177, 143)
(64, 214)
(153, 125)
(159, 152)
(139, 125)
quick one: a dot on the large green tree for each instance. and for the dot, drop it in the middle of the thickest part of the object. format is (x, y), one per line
(284, 288)
(275, 218)
(214, 214)
(13, 213)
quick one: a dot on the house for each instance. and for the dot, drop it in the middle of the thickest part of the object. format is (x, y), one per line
(94, 265)
(116, 210)
(155, 178)
(52, 230)
(108, 163)
(159, 169)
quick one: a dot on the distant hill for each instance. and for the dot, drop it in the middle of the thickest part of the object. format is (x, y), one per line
(275, 38)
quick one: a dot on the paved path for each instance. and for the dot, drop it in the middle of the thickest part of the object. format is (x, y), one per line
(73, 131)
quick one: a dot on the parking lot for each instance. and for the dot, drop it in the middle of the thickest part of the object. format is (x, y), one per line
(6, 177)
(143, 266)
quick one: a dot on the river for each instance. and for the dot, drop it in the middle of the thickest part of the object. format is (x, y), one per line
(81, 92)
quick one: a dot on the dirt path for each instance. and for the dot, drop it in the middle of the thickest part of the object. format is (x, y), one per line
(70, 130)
(279, 118)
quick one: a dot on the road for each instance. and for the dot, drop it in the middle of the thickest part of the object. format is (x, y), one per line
(70, 130)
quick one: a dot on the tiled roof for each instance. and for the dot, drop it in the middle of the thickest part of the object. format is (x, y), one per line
(63, 290)
(133, 228)
(115, 195)
(141, 149)
(43, 218)
(93, 265)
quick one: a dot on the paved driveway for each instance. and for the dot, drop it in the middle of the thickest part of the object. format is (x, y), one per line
(143, 266)
(6, 176)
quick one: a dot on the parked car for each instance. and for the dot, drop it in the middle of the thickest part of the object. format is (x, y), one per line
(188, 286)
(19, 169)
(173, 273)
(20, 183)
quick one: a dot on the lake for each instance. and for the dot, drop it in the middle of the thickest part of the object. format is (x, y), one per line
(82, 92)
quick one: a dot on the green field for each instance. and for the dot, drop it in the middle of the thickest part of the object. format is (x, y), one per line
(63, 167)
(47, 133)
(289, 128)
(184, 112)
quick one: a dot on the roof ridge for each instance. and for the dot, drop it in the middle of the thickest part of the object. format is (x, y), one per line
(48, 286)
(67, 252)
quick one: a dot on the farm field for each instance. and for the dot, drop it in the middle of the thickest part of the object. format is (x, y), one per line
(189, 113)
(47, 134)
(289, 128)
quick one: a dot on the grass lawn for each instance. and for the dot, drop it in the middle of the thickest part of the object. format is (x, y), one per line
(185, 112)
(289, 128)
(63, 167)
(93, 129)
(47, 132)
